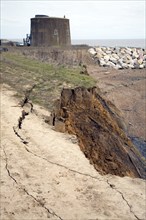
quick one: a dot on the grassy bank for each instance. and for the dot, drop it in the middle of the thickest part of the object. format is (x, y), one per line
(21, 72)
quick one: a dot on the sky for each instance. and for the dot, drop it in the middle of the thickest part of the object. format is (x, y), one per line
(96, 19)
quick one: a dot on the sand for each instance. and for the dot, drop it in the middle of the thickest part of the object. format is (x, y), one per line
(127, 90)
(50, 178)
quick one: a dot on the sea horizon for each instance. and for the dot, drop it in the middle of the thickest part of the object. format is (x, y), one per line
(112, 42)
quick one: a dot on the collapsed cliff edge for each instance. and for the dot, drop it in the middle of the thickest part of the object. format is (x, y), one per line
(100, 131)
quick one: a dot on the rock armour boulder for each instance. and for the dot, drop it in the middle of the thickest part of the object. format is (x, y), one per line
(119, 58)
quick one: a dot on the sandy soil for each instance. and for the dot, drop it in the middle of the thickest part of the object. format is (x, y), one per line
(49, 177)
(127, 90)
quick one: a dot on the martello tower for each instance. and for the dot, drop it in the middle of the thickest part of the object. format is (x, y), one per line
(50, 31)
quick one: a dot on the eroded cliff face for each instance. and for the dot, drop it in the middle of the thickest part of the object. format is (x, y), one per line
(100, 131)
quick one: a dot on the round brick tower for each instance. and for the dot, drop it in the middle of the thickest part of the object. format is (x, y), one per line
(50, 31)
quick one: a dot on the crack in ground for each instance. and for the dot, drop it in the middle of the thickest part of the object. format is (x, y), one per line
(51, 162)
(20, 121)
(41, 204)
(18, 135)
(6, 166)
(22, 188)
(48, 210)
(130, 207)
(60, 165)
(19, 126)
(83, 174)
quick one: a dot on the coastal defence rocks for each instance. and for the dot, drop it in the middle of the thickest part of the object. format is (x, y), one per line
(100, 131)
(119, 58)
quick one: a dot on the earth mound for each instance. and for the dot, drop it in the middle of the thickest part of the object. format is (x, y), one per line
(100, 131)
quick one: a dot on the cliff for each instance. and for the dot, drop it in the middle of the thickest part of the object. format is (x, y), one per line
(100, 131)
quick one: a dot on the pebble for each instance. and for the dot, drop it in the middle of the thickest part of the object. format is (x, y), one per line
(119, 58)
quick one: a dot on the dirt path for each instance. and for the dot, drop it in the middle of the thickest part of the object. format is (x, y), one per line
(49, 177)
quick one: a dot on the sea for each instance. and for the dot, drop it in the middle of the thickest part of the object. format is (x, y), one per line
(138, 43)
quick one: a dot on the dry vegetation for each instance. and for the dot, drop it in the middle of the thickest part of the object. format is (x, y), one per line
(21, 72)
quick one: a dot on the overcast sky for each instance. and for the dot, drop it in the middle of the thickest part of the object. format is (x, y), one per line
(88, 19)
